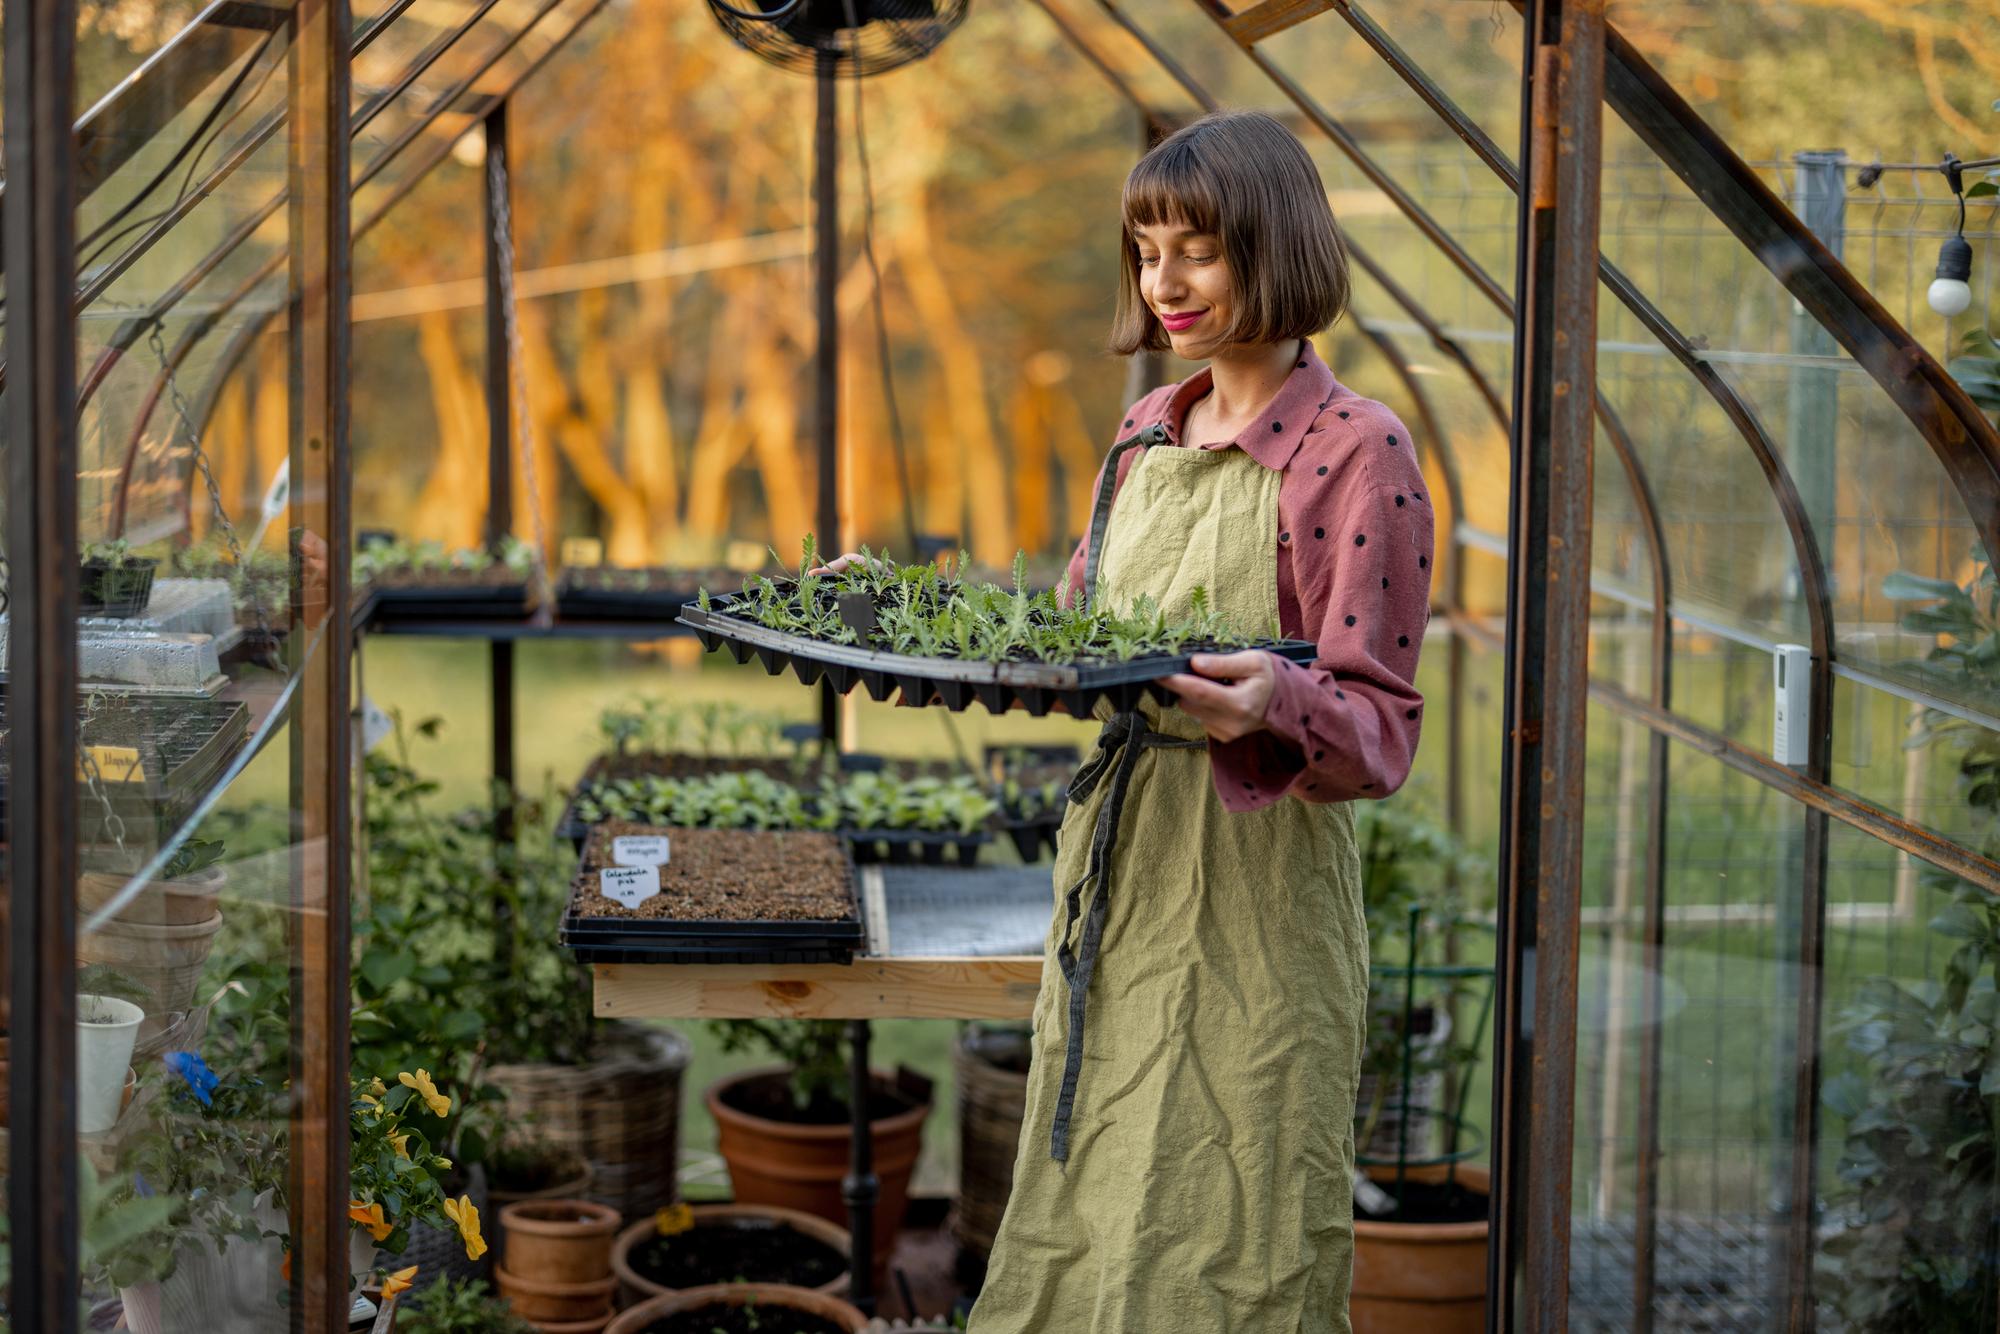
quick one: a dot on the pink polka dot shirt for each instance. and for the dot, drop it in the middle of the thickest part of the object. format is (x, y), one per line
(1353, 551)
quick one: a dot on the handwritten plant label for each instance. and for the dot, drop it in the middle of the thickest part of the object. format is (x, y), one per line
(113, 764)
(629, 885)
(642, 850)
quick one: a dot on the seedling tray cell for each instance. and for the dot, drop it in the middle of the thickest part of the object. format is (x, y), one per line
(900, 846)
(954, 682)
(599, 935)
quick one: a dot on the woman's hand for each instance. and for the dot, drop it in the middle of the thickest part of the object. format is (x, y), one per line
(1230, 694)
(837, 564)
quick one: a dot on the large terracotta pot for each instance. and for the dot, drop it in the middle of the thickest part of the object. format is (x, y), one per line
(634, 1286)
(802, 1166)
(1420, 1278)
(736, 1294)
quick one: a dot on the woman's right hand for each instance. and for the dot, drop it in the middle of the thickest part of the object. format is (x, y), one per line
(837, 564)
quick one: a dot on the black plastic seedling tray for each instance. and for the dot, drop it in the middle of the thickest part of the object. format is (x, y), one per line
(446, 602)
(183, 745)
(579, 600)
(902, 846)
(956, 683)
(606, 768)
(1031, 836)
(666, 940)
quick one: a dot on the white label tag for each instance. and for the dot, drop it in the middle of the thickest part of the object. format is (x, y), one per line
(642, 850)
(629, 885)
(376, 724)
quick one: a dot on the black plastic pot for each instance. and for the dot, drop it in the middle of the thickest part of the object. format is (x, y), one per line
(955, 683)
(121, 590)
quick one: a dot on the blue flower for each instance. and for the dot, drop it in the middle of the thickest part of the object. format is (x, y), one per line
(201, 1080)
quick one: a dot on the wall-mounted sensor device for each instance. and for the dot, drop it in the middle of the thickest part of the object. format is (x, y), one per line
(1791, 686)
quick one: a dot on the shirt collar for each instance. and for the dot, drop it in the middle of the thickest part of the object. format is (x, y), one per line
(1273, 438)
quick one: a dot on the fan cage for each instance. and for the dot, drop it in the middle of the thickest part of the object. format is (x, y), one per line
(815, 36)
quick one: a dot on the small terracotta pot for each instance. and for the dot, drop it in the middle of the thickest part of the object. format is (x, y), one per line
(594, 1325)
(634, 1286)
(1420, 1276)
(538, 1301)
(802, 1166)
(736, 1294)
(559, 1241)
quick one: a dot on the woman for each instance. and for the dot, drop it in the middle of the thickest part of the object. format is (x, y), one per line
(1186, 1159)
(1186, 1165)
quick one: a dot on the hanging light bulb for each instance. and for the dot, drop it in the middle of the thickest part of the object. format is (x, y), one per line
(1950, 293)
(470, 149)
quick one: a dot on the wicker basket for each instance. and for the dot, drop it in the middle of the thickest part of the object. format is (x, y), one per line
(622, 1112)
(992, 1100)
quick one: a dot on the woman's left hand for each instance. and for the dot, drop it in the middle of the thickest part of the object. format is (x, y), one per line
(1230, 693)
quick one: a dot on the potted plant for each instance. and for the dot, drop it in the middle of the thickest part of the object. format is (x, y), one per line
(741, 1308)
(785, 1134)
(1909, 1242)
(113, 581)
(106, 1030)
(687, 1246)
(1420, 1210)
(452, 1306)
(558, 1259)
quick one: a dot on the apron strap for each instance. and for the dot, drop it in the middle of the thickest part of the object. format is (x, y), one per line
(1120, 744)
(1107, 491)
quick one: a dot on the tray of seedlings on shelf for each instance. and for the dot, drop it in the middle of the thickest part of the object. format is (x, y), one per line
(617, 593)
(150, 759)
(884, 815)
(920, 630)
(1031, 785)
(422, 581)
(648, 894)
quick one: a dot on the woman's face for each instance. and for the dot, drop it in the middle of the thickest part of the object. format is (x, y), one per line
(1184, 280)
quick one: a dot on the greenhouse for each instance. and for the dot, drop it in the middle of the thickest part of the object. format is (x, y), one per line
(576, 731)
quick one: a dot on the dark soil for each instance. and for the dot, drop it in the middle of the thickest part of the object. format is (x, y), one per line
(742, 1250)
(758, 1319)
(1429, 1202)
(769, 1096)
(728, 875)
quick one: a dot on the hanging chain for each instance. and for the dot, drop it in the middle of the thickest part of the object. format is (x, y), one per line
(503, 242)
(185, 419)
(93, 778)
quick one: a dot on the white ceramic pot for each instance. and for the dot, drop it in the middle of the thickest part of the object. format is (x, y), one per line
(106, 1029)
(235, 1286)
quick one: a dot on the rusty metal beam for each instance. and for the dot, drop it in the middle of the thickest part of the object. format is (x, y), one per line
(1548, 631)
(320, 287)
(1269, 18)
(41, 449)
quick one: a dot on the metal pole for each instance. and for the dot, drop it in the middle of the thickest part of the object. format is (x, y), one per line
(826, 350)
(318, 144)
(860, 1187)
(499, 518)
(1555, 353)
(40, 255)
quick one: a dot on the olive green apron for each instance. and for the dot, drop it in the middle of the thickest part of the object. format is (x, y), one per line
(1186, 1161)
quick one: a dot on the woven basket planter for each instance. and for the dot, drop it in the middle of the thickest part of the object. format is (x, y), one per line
(989, 1066)
(621, 1112)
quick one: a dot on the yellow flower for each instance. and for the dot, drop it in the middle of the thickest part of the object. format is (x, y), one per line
(370, 1217)
(376, 1088)
(462, 1212)
(421, 1082)
(401, 1141)
(398, 1283)
(674, 1220)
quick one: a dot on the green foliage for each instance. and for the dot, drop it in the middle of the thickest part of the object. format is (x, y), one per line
(930, 611)
(815, 1050)
(379, 559)
(712, 728)
(1919, 1170)
(261, 582)
(193, 857)
(753, 800)
(1978, 366)
(117, 553)
(450, 1306)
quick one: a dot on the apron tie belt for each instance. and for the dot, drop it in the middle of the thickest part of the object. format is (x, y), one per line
(1119, 746)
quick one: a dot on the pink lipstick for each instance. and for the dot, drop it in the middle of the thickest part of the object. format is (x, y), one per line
(1178, 322)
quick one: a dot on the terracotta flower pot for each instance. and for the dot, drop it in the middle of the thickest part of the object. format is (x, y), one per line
(537, 1301)
(801, 1166)
(636, 1320)
(1420, 1276)
(594, 1325)
(573, 1187)
(634, 1286)
(559, 1241)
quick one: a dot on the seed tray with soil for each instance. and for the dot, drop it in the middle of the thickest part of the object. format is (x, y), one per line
(727, 896)
(1077, 686)
(615, 593)
(737, 1250)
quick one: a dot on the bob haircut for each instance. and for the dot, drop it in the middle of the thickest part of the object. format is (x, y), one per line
(1243, 178)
